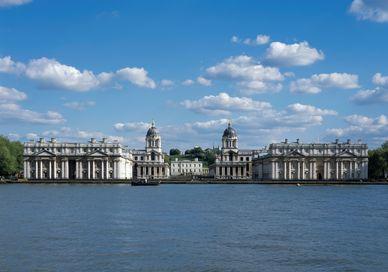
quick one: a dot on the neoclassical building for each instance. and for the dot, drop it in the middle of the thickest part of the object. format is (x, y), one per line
(187, 168)
(149, 163)
(95, 160)
(232, 163)
(313, 161)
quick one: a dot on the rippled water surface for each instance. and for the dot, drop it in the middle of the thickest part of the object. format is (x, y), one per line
(193, 228)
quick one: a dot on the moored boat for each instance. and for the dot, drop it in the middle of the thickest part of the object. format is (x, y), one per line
(145, 182)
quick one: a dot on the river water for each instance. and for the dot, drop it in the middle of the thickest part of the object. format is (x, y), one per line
(193, 228)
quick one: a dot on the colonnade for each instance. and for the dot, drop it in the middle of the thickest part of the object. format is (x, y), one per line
(316, 169)
(227, 171)
(53, 168)
(151, 171)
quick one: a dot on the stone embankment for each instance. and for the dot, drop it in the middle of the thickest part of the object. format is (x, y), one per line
(269, 182)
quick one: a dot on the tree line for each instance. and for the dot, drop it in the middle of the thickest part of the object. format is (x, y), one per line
(378, 162)
(11, 157)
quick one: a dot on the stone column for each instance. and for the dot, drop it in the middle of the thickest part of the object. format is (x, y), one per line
(284, 170)
(107, 169)
(314, 170)
(118, 169)
(311, 170)
(102, 170)
(114, 169)
(55, 169)
(93, 169)
(303, 170)
(298, 171)
(289, 170)
(62, 169)
(336, 170)
(351, 169)
(41, 169)
(25, 169)
(49, 171)
(81, 170)
(324, 170)
(27, 172)
(342, 170)
(36, 170)
(272, 170)
(66, 169)
(88, 169)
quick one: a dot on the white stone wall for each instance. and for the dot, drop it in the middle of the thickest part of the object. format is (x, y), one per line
(186, 167)
(322, 161)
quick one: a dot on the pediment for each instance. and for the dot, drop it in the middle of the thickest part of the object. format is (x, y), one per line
(44, 153)
(295, 153)
(96, 153)
(346, 154)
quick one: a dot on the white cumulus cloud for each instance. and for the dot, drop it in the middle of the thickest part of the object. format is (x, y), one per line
(373, 10)
(10, 3)
(79, 105)
(14, 112)
(363, 127)
(308, 109)
(297, 54)
(373, 96)
(224, 104)
(137, 76)
(259, 40)
(11, 94)
(247, 73)
(204, 81)
(317, 82)
(380, 80)
(50, 73)
(131, 126)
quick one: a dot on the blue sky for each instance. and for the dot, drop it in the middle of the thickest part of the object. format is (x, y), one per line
(314, 70)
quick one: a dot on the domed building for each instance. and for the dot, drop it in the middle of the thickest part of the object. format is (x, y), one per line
(149, 163)
(232, 163)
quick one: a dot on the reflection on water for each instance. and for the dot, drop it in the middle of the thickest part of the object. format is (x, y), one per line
(193, 228)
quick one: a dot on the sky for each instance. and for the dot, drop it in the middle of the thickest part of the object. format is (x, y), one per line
(297, 69)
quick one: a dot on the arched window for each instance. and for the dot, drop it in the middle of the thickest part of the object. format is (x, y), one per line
(230, 156)
(152, 156)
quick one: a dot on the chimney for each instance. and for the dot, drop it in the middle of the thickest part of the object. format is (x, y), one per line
(53, 140)
(92, 140)
(348, 141)
(41, 140)
(104, 140)
(297, 141)
(336, 141)
(285, 141)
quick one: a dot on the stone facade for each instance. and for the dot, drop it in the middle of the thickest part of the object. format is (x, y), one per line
(313, 161)
(149, 163)
(232, 163)
(187, 167)
(95, 160)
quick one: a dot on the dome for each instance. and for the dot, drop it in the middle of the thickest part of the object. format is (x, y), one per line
(229, 132)
(152, 131)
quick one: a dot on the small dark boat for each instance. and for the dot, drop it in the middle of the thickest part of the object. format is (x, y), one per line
(145, 182)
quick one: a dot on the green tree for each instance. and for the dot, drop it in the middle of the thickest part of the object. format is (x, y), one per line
(175, 152)
(11, 157)
(378, 162)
